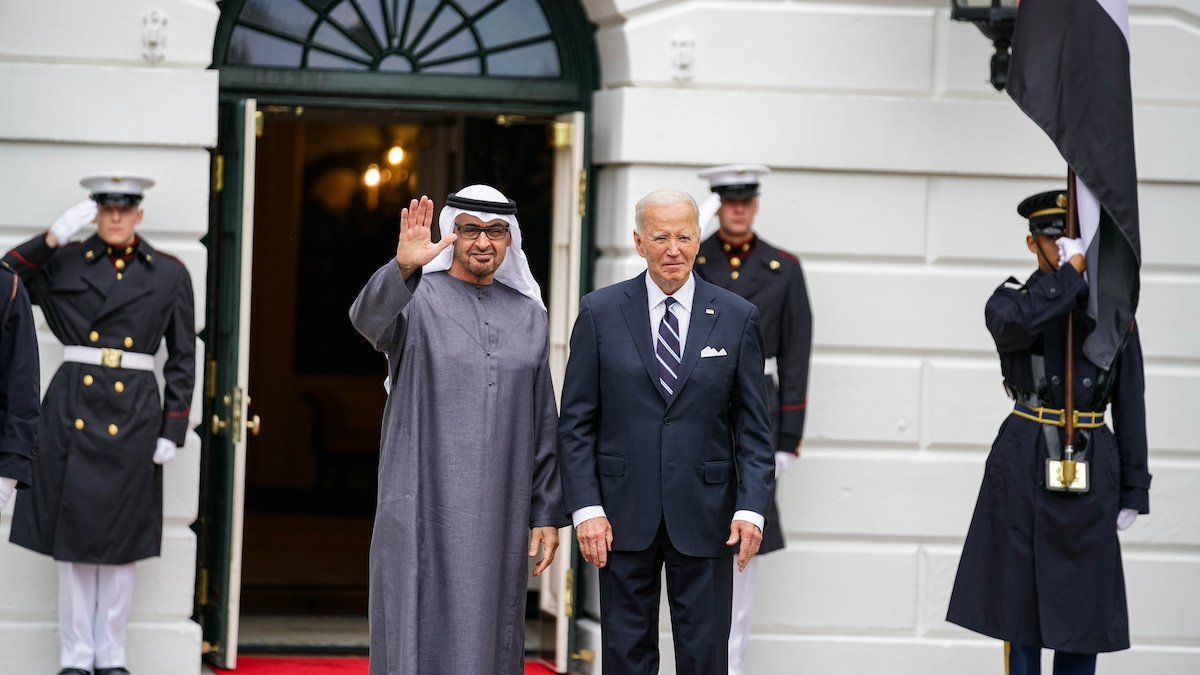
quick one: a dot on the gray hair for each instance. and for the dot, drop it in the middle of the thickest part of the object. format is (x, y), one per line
(663, 197)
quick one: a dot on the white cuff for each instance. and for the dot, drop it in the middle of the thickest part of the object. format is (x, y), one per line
(751, 517)
(587, 513)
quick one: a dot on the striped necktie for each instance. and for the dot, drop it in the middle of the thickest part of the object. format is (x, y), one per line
(669, 350)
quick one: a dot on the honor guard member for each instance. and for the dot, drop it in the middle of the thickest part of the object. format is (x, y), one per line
(19, 388)
(736, 259)
(96, 501)
(1041, 566)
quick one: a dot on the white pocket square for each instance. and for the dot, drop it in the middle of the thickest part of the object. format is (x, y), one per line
(709, 352)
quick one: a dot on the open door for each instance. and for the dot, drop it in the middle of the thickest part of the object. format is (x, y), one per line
(226, 403)
(556, 598)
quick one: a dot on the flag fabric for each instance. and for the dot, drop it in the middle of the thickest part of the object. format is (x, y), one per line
(1069, 72)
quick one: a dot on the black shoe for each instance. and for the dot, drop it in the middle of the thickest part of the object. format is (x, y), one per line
(74, 671)
(119, 670)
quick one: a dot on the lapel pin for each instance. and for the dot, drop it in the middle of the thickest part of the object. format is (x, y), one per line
(710, 311)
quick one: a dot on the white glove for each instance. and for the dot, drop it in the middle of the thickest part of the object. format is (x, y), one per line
(1125, 519)
(7, 487)
(783, 462)
(164, 451)
(1068, 248)
(73, 220)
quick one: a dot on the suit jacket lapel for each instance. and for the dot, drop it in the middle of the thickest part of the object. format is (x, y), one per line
(699, 326)
(637, 318)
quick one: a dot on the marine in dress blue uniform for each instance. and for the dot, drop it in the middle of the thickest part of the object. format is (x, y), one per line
(738, 260)
(1042, 568)
(96, 501)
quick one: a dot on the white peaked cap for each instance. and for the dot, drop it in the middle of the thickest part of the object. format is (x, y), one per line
(117, 183)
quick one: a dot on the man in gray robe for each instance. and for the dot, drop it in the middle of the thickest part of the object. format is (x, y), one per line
(468, 480)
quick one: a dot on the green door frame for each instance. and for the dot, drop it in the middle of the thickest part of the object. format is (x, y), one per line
(378, 90)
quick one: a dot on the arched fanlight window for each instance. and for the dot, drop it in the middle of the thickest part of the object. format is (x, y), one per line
(497, 38)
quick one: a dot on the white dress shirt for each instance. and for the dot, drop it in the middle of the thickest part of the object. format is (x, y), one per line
(682, 310)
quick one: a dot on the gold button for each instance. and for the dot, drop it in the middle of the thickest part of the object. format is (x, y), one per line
(120, 264)
(774, 264)
(727, 247)
(128, 250)
(119, 387)
(79, 424)
(149, 258)
(88, 380)
(89, 255)
(94, 336)
(128, 343)
(112, 430)
(119, 277)
(736, 262)
(109, 249)
(735, 275)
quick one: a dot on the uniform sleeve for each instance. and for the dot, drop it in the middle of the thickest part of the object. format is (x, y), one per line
(753, 450)
(580, 417)
(795, 355)
(546, 504)
(378, 311)
(19, 389)
(1016, 318)
(29, 261)
(1129, 424)
(180, 368)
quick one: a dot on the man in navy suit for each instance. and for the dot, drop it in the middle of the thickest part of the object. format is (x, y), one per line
(665, 446)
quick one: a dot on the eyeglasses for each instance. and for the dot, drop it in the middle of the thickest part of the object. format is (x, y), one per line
(471, 232)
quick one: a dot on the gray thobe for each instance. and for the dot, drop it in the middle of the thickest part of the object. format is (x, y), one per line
(467, 466)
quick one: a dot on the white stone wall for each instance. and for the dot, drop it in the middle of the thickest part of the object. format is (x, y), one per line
(897, 173)
(77, 97)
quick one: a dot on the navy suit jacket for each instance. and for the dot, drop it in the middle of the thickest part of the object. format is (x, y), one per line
(690, 461)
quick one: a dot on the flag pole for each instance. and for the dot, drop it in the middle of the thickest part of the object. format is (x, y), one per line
(1068, 469)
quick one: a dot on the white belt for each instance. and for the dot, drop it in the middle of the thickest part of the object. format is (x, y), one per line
(109, 358)
(771, 369)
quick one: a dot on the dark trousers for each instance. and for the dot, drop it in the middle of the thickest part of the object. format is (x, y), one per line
(1023, 660)
(700, 593)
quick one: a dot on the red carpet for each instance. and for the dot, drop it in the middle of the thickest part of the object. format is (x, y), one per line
(266, 665)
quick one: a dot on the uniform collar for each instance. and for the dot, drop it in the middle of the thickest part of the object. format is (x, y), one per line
(94, 249)
(732, 250)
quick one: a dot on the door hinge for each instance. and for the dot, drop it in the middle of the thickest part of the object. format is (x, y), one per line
(569, 605)
(210, 379)
(207, 647)
(560, 135)
(583, 185)
(509, 120)
(218, 173)
(236, 412)
(258, 123)
(202, 587)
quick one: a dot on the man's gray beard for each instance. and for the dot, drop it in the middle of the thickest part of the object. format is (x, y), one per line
(481, 271)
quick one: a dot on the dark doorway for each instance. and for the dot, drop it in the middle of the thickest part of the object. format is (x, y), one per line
(329, 185)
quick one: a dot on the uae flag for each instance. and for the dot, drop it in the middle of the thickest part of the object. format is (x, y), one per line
(1070, 73)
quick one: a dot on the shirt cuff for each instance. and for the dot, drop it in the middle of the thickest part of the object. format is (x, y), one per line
(587, 513)
(751, 517)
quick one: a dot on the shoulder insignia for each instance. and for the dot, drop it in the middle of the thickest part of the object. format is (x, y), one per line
(1011, 283)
